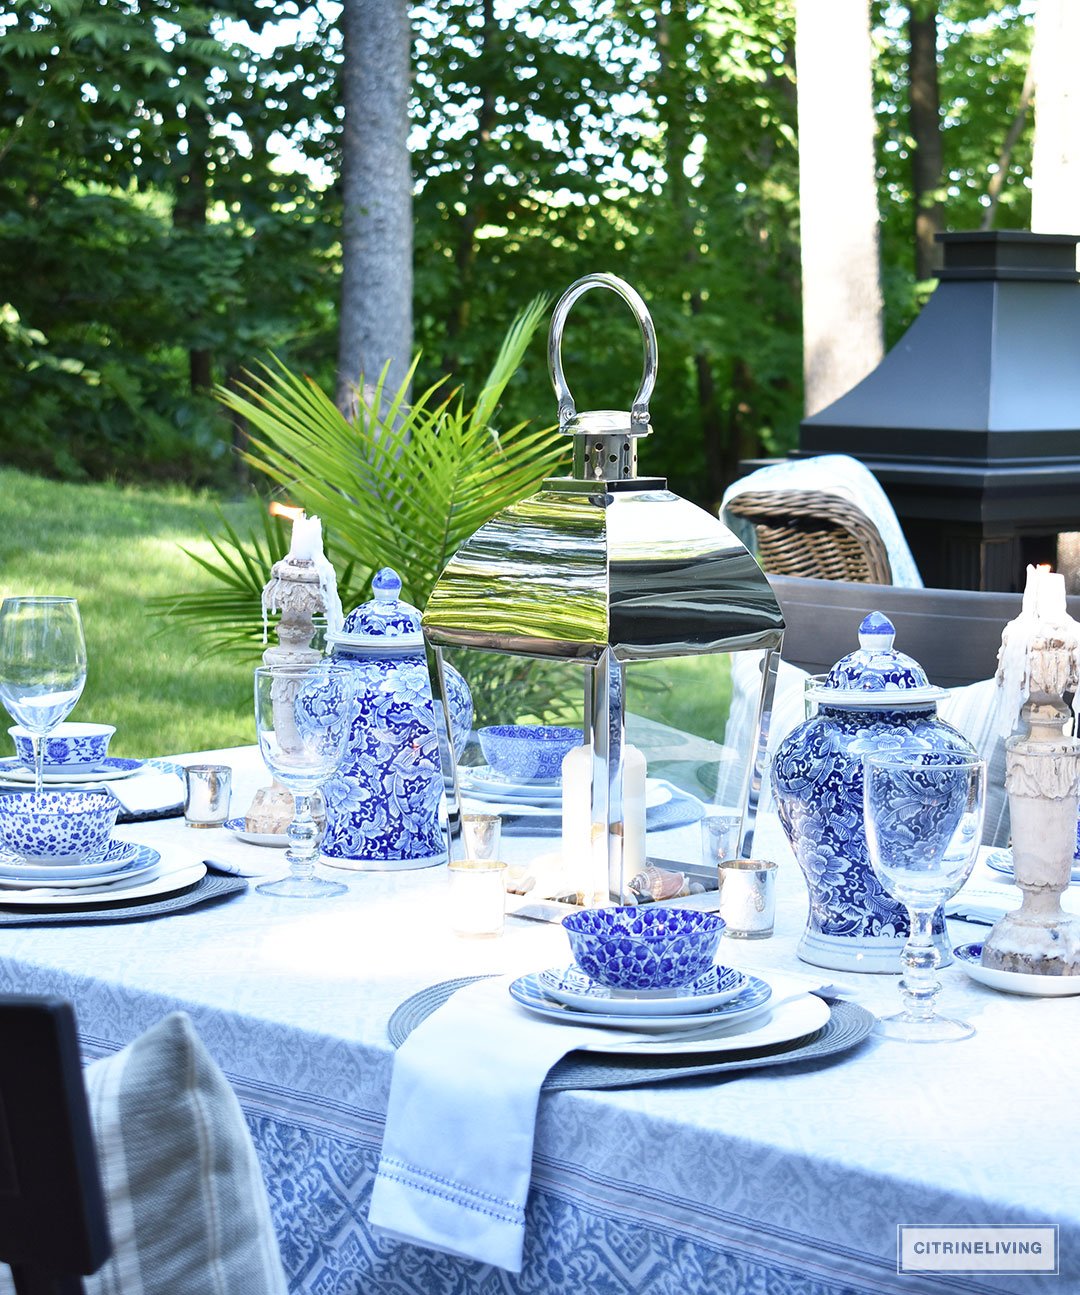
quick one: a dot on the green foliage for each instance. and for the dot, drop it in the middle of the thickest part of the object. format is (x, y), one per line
(151, 246)
(403, 484)
(138, 244)
(116, 549)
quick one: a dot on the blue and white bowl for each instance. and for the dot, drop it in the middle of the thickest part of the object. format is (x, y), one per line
(68, 748)
(57, 826)
(527, 752)
(644, 948)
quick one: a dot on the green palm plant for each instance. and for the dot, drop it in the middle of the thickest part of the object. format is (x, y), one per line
(403, 483)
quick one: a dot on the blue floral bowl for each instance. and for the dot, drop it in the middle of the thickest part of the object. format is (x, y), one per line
(68, 747)
(527, 751)
(643, 948)
(58, 826)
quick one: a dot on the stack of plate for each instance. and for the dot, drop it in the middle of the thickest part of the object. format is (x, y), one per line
(14, 773)
(720, 999)
(482, 782)
(123, 864)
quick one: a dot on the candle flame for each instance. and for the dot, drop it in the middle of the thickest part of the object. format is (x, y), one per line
(291, 511)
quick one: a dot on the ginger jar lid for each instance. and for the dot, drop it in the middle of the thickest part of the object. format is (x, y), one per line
(385, 624)
(876, 676)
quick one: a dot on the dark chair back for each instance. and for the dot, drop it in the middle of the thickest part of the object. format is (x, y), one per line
(53, 1226)
(954, 634)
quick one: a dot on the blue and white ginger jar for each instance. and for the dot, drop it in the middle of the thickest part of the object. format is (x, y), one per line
(875, 699)
(383, 806)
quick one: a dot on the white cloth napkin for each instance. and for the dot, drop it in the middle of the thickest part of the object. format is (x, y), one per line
(146, 793)
(457, 1151)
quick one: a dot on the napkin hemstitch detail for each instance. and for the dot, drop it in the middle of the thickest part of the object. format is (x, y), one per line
(467, 1197)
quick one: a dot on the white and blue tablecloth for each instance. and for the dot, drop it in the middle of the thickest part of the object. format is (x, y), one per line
(790, 1181)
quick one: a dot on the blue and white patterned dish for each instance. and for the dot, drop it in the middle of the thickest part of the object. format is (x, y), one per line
(1002, 861)
(154, 884)
(754, 997)
(572, 986)
(485, 783)
(528, 752)
(57, 826)
(13, 867)
(969, 956)
(135, 865)
(12, 770)
(643, 947)
(279, 840)
(69, 748)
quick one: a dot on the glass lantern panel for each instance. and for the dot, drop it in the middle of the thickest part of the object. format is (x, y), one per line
(691, 728)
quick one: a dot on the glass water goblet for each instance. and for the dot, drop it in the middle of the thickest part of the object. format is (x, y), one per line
(923, 814)
(303, 715)
(42, 666)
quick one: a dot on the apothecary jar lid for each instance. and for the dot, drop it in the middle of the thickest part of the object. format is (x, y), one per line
(385, 624)
(876, 676)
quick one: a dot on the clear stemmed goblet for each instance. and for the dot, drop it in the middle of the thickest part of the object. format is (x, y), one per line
(303, 714)
(42, 666)
(923, 814)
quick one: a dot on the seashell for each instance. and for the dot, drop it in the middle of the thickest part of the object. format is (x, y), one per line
(659, 883)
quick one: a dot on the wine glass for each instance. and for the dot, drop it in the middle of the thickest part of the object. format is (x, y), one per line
(923, 812)
(42, 666)
(303, 714)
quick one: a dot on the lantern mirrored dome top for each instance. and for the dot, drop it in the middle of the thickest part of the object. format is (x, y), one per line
(606, 601)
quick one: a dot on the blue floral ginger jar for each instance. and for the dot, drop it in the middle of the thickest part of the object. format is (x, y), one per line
(874, 699)
(383, 806)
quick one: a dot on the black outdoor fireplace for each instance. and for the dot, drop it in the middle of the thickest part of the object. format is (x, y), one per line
(972, 421)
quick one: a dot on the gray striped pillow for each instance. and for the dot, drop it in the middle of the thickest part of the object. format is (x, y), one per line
(188, 1209)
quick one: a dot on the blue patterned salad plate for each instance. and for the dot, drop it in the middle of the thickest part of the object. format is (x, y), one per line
(531, 993)
(125, 862)
(114, 766)
(572, 986)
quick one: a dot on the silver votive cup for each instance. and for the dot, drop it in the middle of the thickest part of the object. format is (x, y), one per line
(481, 835)
(208, 792)
(720, 837)
(477, 897)
(748, 898)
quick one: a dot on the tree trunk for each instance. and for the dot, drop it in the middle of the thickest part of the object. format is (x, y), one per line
(924, 119)
(1055, 162)
(189, 213)
(842, 338)
(375, 326)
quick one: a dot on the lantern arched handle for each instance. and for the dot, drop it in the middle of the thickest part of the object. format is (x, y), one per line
(639, 410)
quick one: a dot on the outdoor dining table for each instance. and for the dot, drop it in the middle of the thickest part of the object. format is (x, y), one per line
(791, 1179)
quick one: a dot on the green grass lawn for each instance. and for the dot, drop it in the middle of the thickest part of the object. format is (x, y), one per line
(114, 548)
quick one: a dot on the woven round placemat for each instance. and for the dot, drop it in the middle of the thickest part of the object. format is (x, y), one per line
(848, 1025)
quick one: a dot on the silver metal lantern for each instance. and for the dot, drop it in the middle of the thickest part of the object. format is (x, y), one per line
(608, 603)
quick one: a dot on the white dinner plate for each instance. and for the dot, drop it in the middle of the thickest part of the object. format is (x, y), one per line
(14, 867)
(279, 840)
(751, 1000)
(572, 986)
(790, 1018)
(1002, 861)
(481, 778)
(112, 768)
(1014, 982)
(162, 883)
(139, 863)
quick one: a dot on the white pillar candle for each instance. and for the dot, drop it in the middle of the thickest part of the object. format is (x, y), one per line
(634, 772)
(306, 538)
